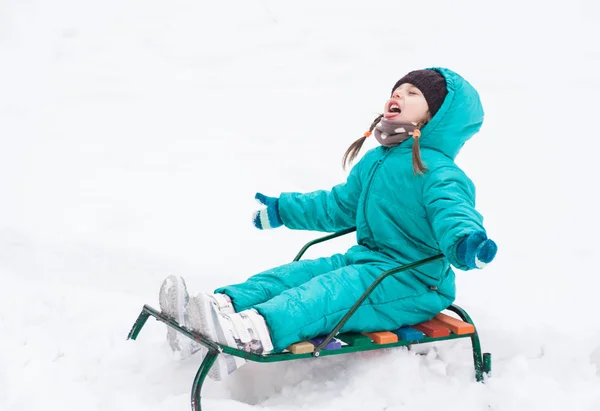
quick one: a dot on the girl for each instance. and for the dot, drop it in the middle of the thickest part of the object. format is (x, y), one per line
(408, 201)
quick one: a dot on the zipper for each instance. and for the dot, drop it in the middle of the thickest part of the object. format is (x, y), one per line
(368, 189)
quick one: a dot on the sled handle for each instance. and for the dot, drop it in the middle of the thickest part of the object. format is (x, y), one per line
(322, 239)
(369, 290)
(366, 294)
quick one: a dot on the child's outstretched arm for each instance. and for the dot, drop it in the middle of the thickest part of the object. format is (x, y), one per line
(449, 197)
(322, 210)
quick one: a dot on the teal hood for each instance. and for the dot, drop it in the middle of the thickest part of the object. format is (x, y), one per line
(457, 120)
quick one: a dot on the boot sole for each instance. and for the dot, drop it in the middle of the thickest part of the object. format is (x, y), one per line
(173, 300)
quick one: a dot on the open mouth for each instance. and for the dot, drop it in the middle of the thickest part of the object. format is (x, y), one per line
(392, 109)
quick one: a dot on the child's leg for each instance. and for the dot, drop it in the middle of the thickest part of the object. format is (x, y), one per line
(316, 307)
(266, 285)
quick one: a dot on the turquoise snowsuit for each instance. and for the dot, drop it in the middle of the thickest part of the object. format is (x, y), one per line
(400, 218)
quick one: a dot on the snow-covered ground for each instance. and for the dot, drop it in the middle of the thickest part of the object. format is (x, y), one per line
(134, 134)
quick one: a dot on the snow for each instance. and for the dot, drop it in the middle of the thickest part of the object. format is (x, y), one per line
(134, 135)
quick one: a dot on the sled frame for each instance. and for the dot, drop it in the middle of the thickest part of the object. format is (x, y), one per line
(481, 362)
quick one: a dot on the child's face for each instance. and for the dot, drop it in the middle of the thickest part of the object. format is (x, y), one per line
(406, 105)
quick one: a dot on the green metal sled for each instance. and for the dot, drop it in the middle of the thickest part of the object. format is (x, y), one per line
(481, 362)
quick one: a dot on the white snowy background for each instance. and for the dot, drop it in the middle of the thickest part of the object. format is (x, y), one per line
(134, 134)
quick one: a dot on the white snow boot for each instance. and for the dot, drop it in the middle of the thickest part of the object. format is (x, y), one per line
(246, 330)
(173, 299)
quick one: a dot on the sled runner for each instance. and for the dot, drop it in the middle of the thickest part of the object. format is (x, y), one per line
(441, 327)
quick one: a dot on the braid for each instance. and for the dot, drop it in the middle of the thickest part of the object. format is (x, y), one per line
(355, 147)
(375, 122)
(418, 166)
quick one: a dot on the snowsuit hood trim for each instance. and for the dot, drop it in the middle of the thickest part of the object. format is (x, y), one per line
(458, 119)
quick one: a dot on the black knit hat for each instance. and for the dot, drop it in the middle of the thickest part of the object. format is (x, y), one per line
(431, 83)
